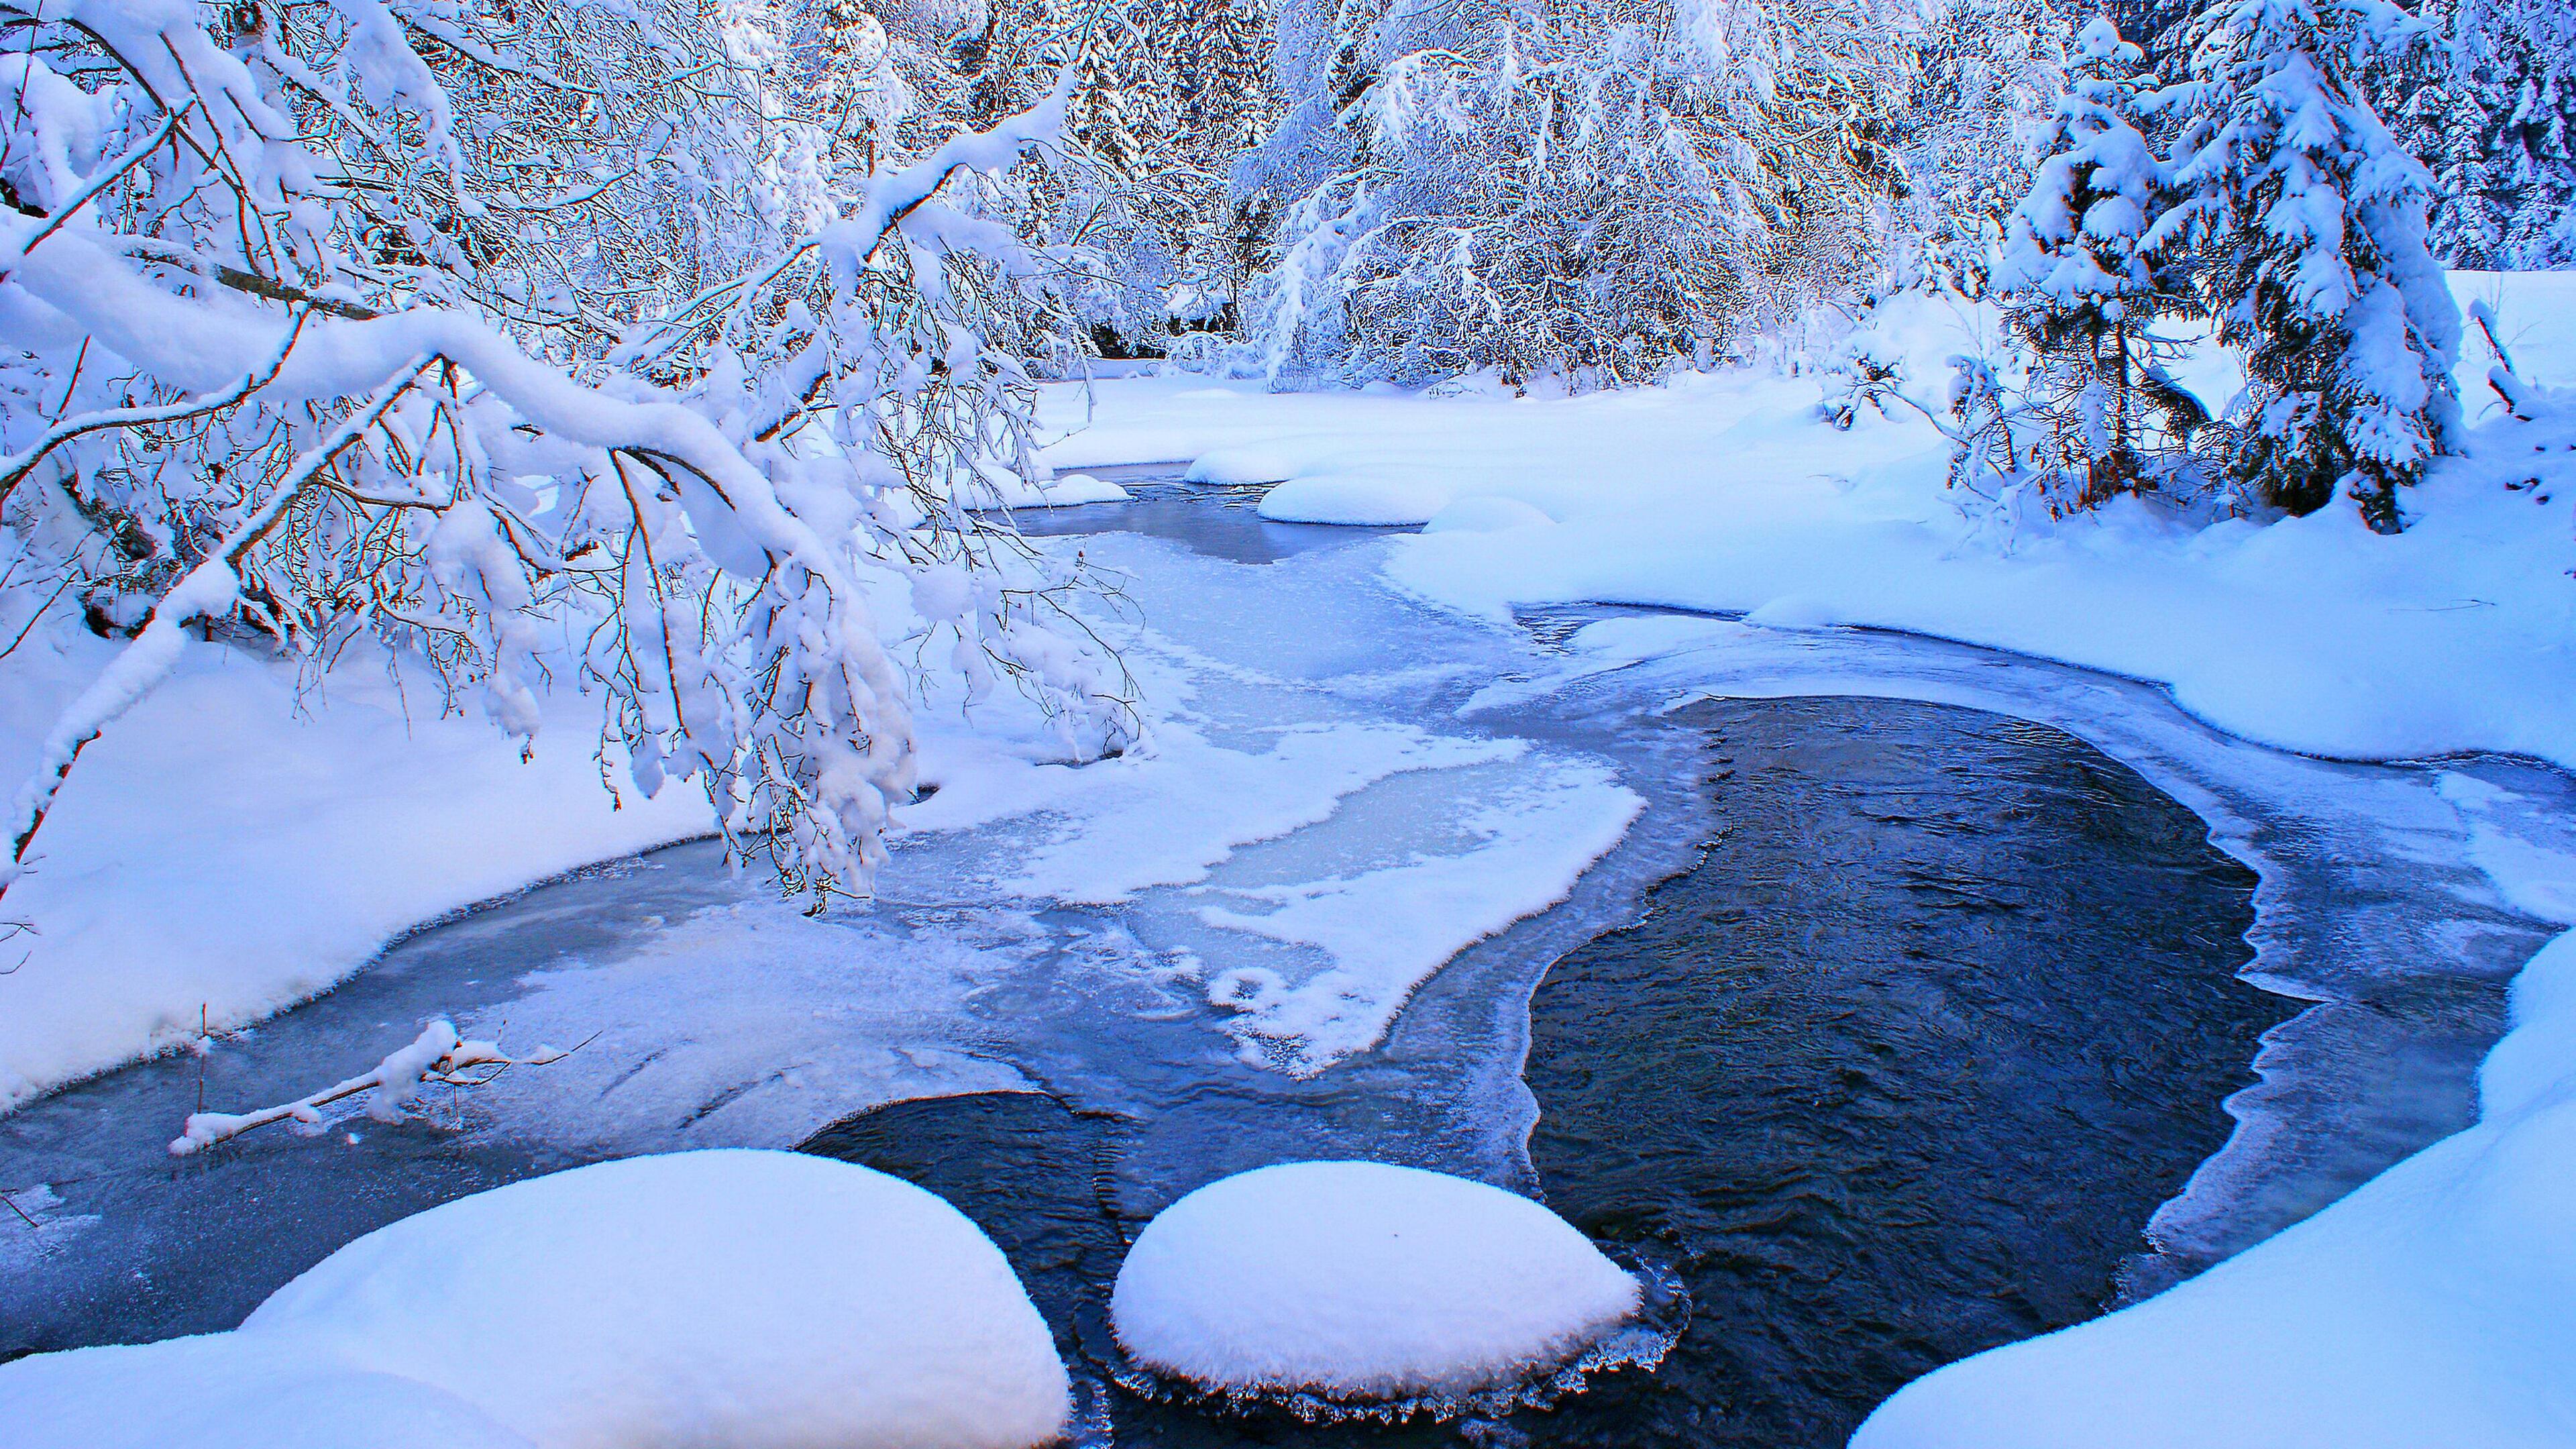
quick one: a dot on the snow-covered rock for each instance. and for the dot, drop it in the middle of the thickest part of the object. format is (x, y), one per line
(1361, 1281)
(750, 1300)
(226, 1391)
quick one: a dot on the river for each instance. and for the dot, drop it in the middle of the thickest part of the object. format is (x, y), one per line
(1931, 999)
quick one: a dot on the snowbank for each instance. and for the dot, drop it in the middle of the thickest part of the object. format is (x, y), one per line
(224, 848)
(1728, 492)
(1362, 1281)
(736, 1299)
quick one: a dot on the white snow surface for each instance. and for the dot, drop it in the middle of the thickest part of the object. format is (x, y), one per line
(1362, 1281)
(230, 1391)
(223, 849)
(698, 1300)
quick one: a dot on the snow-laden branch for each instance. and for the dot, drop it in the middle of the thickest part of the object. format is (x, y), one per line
(16, 466)
(207, 591)
(437, 1055)
(715, 508)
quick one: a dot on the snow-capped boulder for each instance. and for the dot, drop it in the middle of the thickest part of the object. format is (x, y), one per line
(1361, 1281)
(718, 1300)
(225, 1391)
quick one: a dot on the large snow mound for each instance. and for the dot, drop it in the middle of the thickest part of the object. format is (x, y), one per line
(748, 1300)
(1361, 1280)
(225, 1391)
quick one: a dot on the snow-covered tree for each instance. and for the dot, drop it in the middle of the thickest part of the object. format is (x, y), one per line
(2432, 105)
(2496, 123)
(1589, 187)
(2083, 290)
(465, 328)
(1992, 74)
(2156, 27)
(2309, 223)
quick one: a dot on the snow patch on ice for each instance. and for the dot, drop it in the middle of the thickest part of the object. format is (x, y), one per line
(2535, 876)
(1167, 820)
(1385, 930)
(745, 1025)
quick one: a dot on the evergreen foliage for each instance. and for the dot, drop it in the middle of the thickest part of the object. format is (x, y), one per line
(2308, 221)
(2083, 288)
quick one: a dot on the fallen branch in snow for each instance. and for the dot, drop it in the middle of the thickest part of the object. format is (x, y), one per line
(2503, 377)
(436, 1055)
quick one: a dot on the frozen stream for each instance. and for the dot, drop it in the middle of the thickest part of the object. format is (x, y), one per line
(1895, 989)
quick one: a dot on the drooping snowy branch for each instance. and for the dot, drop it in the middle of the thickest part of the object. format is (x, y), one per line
(305, 340)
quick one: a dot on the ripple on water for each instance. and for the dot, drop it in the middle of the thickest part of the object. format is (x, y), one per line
(1901, 1068)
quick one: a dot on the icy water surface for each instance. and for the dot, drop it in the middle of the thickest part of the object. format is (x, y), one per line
(1898, 1023)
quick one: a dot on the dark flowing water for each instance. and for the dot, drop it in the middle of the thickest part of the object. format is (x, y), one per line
(1896, 1072)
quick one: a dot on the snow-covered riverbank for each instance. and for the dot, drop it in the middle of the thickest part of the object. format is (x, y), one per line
(1728, 492)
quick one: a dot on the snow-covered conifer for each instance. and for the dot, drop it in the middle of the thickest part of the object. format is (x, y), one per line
(2497, 125)
(2082, 289)
(2309, 221)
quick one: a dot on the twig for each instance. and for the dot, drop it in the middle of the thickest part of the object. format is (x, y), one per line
(436, 1055)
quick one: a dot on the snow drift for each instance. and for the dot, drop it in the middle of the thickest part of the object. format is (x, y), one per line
(751, 1300)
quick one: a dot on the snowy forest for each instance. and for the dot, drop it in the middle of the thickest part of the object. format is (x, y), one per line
(1156, 623)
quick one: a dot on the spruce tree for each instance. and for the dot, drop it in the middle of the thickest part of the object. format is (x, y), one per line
(2310, 224)
(2083, 287)
(2521, 60)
